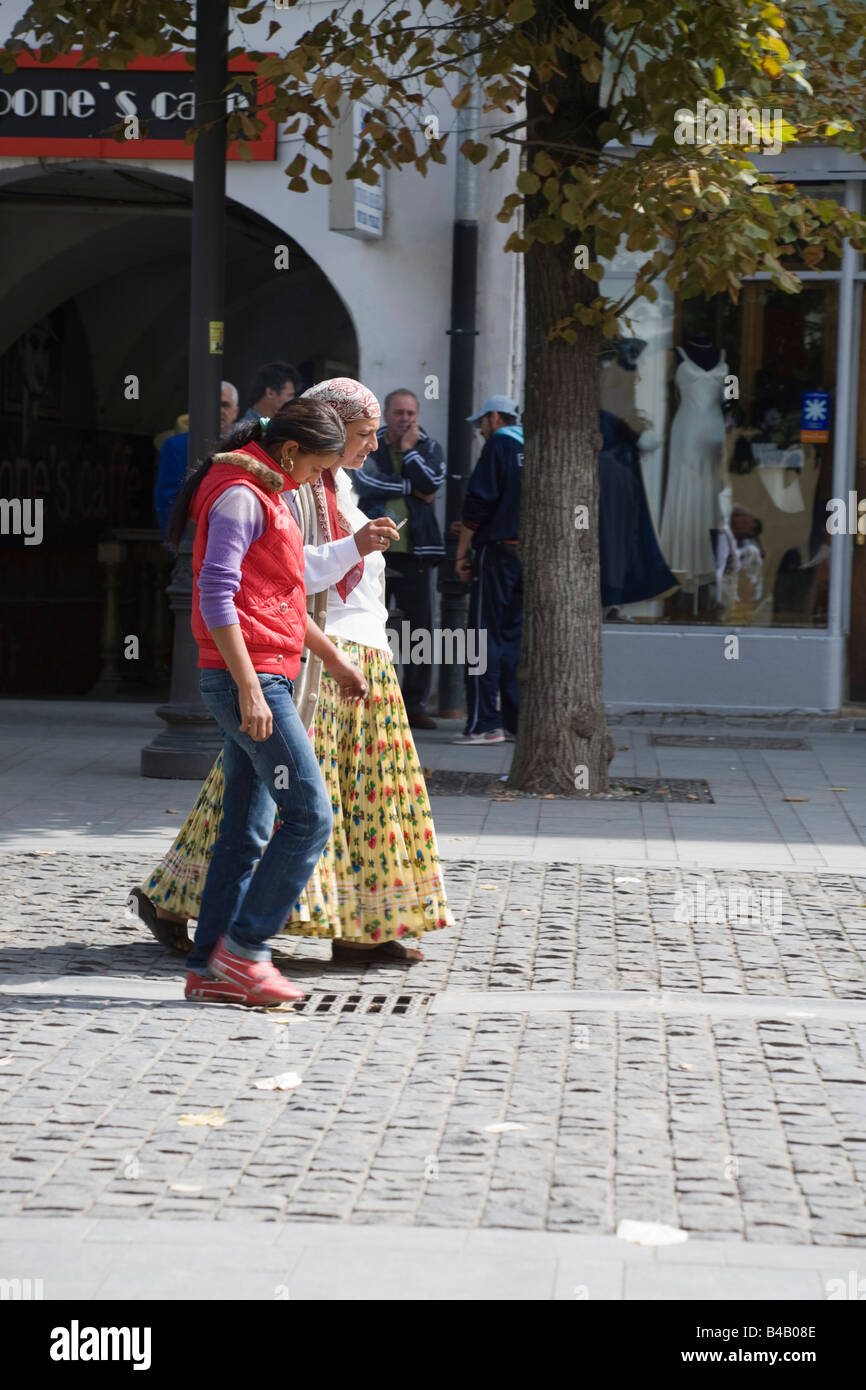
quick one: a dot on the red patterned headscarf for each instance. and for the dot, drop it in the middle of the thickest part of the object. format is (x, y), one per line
(338, 529)
(348, 397)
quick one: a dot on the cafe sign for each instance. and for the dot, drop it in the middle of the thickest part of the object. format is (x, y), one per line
(71, 108)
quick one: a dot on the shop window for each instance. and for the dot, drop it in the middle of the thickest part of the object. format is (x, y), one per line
(722, 414)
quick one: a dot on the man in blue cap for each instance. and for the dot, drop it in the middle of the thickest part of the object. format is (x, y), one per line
(490, 524)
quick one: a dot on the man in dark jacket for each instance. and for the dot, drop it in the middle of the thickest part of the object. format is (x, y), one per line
(401, 480)
(491, 522)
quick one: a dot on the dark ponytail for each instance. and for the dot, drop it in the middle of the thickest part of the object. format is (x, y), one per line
(317, 428)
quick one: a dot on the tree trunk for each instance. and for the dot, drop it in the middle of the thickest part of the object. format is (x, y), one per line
(563, 745)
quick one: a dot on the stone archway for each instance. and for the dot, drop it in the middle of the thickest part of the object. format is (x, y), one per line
(94, 290)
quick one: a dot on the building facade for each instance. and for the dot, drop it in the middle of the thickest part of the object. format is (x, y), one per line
(749, 419)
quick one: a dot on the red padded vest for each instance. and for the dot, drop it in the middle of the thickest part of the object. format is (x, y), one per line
(271, 600)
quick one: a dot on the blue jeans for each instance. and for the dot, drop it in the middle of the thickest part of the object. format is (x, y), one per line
(249, 894)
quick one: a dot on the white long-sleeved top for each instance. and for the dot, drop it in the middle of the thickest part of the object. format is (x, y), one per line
(362, 618)
(323, 564)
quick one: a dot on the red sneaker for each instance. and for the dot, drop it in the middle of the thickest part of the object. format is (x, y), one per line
(215, 991)
(261, 982)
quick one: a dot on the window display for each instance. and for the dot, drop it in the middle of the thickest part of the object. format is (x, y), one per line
(633, 568)
(692, 507)
(731, 494)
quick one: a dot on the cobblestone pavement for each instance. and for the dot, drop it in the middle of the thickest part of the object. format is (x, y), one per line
(726, 1123)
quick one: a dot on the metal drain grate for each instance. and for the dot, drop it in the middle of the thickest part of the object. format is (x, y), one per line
(728, 741)
(324, 1004)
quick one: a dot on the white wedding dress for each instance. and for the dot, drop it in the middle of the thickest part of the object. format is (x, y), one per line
(697, 439)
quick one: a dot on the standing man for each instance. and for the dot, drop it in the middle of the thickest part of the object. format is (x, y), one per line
(171, 468)
(274, 384)
(491, 522)
(400, 480)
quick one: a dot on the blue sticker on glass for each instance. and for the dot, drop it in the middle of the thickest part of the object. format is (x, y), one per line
(815, 410)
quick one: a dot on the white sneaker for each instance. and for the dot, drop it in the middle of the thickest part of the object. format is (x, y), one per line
(492, 736)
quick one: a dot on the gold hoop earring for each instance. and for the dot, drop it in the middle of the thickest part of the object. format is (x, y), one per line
(290, 466)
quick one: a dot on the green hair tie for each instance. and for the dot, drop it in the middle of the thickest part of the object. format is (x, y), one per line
(264, 421)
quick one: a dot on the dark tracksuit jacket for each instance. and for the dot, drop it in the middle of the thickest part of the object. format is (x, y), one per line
(491, 509)
(410, 574)
(423, 471)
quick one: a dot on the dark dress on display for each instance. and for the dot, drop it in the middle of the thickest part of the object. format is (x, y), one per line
(632, 565)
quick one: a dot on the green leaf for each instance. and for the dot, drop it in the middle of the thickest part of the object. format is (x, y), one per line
(519, 11)
(543, 164)
(475, 153)
(528, 182)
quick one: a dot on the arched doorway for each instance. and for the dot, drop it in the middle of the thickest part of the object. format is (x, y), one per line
(94, 303)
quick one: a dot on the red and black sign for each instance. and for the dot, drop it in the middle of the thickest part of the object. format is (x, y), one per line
(71, 108)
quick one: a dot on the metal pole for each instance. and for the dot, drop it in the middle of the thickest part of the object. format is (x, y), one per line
(461, 386)
(844, 466)
(189, 744)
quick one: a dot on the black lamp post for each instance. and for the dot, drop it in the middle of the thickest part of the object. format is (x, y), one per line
(190, 742)
(461, 387)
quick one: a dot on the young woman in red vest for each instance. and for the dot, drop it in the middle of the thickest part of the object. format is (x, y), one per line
(249, 618)
(378, 884)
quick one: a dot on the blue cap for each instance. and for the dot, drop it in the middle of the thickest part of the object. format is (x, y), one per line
(504, 404)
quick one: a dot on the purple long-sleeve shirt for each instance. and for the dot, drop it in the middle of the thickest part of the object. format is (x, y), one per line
(235, 520)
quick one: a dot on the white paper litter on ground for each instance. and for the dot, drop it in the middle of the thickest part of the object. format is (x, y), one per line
(286, 1081)
(507, 1127)
(650, 1233)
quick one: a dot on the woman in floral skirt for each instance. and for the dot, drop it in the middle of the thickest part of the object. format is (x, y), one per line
(378, 883)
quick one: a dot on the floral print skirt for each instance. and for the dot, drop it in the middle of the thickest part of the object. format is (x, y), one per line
(379, 877)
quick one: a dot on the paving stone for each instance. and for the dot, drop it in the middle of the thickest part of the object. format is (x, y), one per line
(722, 1126)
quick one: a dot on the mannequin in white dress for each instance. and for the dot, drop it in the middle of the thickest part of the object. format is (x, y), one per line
(691, 508)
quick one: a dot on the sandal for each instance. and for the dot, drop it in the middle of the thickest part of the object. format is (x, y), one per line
(386, 950)
(173, 935)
